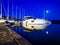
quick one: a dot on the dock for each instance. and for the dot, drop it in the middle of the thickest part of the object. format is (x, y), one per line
(10, 37)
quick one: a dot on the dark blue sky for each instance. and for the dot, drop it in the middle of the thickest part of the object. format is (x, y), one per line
(35, 8)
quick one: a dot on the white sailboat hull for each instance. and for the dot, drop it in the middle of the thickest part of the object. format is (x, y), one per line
(36, 24)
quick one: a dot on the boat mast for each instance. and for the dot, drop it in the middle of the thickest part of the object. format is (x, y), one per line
(12, 12)
(8, 11)
(20, 16)
(4, 10)
(16, 12)
(1, 12)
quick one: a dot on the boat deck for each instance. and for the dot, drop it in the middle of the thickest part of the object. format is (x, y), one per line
(10, 37)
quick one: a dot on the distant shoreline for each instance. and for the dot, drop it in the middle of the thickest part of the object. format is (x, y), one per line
(55, 21)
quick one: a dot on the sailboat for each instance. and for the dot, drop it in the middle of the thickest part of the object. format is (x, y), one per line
(8, 21)
(2, 21)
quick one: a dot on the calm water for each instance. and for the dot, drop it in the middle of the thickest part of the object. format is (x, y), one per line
(40, 37)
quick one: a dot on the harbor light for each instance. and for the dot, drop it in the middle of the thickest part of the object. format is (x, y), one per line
(46, 32)
(47, 11)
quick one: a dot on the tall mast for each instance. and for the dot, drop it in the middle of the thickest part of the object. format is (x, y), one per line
(16, 12)
(8, 11)
(1, 11)
(4, 10)
(20, 12)
(12, 11)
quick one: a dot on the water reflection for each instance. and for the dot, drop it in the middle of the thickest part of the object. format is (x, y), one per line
(40, 36)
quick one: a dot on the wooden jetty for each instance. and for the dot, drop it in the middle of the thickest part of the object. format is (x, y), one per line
(10, 37)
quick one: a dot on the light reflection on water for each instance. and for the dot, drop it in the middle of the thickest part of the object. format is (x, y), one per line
(40, 36)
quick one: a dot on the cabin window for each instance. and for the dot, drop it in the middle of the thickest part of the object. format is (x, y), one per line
(26, 23)
(32, 21)
(32, 26)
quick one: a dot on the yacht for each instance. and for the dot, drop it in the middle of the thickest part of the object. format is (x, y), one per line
(30, 23)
